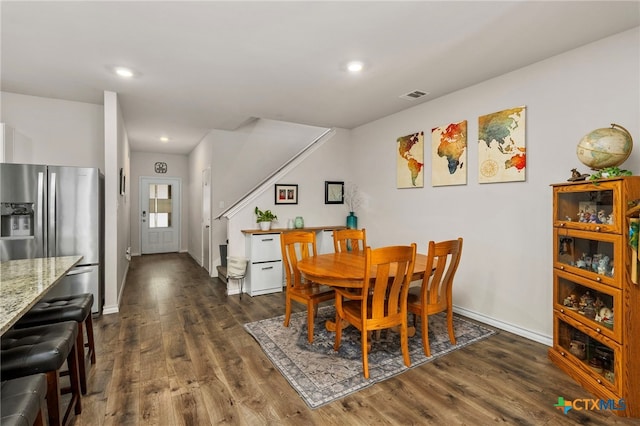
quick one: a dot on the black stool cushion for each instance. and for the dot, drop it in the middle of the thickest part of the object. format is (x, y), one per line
(58, 309)
(34, 350)
(21, 400)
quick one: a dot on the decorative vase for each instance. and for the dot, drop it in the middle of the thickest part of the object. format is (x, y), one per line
(352, 221)
(290, 224)
(299, 222)
(265, 226)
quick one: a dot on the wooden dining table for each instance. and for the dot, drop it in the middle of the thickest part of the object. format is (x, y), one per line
(346, 270)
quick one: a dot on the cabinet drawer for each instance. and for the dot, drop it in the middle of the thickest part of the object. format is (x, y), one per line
(593, 255)
(265, 277)
(597, 356)
(589, 302)
(265, 247)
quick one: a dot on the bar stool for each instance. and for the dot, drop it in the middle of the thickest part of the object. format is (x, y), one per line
(22, 401)
(67, 308)
(44, 349)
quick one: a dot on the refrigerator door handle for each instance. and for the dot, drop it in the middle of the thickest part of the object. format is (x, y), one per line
(40, 228)
(78, 271)
(52, 237)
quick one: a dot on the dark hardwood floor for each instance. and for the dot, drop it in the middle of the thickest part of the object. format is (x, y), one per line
(177, 354)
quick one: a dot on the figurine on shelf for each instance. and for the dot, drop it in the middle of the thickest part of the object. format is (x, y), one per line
(586, 300)
(605, 314)
(578, 349)
(610, 219)
(603, 263)
(577, 176)
(571, 302)
(602, 218)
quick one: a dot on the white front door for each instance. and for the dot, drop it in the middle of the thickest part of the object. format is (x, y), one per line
(159, 215)
(206, 219)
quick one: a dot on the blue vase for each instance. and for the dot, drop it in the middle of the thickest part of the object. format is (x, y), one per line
(352, 221)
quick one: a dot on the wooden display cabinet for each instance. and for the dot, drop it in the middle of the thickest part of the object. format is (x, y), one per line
(596, 306)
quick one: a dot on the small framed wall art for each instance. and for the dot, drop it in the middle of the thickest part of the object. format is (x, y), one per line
(286, 194)
(123, 182)
(333, 192)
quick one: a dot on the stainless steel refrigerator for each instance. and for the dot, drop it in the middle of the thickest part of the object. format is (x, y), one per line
(49, 211)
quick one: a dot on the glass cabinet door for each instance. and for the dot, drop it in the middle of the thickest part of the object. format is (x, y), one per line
(588, 206)
(597, 355)
(589, 302)
(592, 255)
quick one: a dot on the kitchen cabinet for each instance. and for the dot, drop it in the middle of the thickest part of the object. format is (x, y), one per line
(596, 304)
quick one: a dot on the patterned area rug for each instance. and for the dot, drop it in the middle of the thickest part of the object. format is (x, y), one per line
(321, 375)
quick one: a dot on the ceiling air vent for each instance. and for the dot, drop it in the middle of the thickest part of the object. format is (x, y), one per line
(414, 95)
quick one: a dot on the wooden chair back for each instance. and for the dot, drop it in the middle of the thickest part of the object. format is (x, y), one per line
(435, 293)
(387, 302)
(382, 304)
(436, 290)
(296, 245)
(353, 240)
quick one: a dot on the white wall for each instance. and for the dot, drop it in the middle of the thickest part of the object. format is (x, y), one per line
(330, 162)
(53, 131)
(117, 207)
(239, 160)
(143, 164)
(505, 275)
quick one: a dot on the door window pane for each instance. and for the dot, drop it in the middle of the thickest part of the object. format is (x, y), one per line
(160, 205)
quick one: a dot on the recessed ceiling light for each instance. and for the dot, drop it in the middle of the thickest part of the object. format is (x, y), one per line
(164, 139)
(355, 66)
(124, 72)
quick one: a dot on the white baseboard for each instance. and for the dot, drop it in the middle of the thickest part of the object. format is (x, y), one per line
(523, 332)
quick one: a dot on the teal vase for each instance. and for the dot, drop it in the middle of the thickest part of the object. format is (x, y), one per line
(352, 221)
(299, 222)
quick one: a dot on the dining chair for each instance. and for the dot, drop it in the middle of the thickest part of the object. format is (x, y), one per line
(353, 240)
(297, 245)
(382, 304)
(434, 295)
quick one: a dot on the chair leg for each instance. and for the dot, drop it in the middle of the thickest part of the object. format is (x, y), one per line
(74, 379)
(404, 344)
(82, 366)
(39, 421)
(287, 311)
(452, 336)
(90, 341)
(53, 398)
(424, 318)
(365, 353)
(310, 321)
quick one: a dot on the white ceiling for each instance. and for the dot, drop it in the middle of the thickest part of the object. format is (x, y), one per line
(215, 65)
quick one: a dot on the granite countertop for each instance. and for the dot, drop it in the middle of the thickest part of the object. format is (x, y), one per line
(24, 282)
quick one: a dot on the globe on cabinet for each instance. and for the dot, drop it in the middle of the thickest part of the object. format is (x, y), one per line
(605, 147)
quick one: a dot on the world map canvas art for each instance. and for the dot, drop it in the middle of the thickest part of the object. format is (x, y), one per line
(501, 146)
(449, 154)
(410, 161)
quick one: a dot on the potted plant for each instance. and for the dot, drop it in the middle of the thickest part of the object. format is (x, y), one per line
(264, 218)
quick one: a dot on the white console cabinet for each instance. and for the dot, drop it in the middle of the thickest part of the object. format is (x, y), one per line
(264, 271)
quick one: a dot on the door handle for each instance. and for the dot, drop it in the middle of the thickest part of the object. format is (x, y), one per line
(77, 271)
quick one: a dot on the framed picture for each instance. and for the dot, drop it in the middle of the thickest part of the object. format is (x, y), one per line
(286, 194)
(333, 192)
(123, 182)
